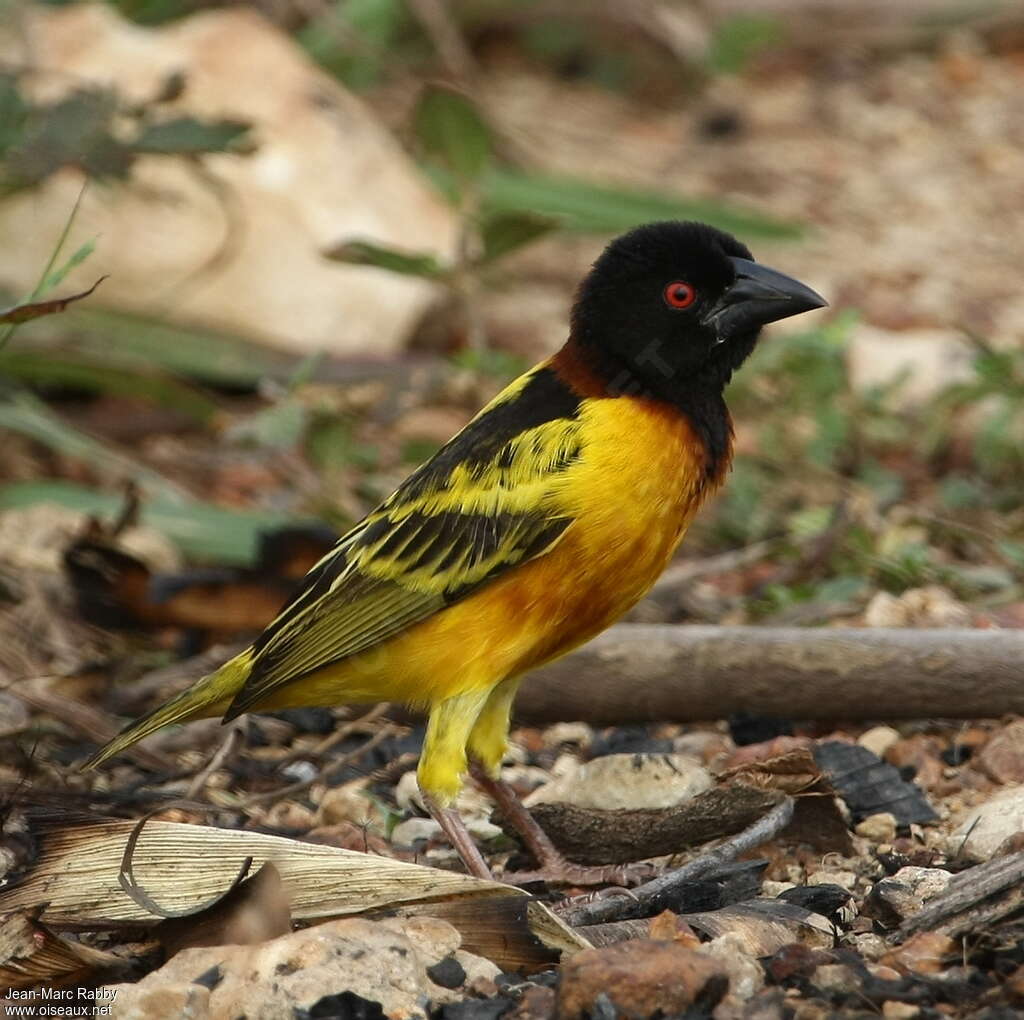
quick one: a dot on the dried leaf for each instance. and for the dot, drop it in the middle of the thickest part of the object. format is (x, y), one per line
(31, 954)
(766, 925)
(76, 877)
(37, 309)
(793, 773)
(870, 786)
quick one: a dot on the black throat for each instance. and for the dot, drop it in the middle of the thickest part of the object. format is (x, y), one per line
(699, 396)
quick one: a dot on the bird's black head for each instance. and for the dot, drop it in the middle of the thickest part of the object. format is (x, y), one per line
(674, 305)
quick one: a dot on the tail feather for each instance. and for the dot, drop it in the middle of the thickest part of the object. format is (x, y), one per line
(209, 696)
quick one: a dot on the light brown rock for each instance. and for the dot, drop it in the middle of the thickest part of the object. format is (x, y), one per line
(638, 977)
(383, 962)
(324, 171)
(880, 828)
(983, 829)
(1002, 757)
(626, 781)
(897, 897)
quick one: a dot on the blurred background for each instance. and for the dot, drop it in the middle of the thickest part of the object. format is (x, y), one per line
(330, 229)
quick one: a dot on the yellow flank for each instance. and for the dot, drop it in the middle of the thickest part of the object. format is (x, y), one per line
(627, 472)
(633, 491)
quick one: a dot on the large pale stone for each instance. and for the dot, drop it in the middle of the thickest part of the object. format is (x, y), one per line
(325, 171)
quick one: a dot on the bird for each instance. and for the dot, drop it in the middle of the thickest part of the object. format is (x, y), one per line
(540, 523)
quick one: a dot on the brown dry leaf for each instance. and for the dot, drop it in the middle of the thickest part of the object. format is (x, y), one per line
(765, 926)
(252, 912)
(590, 836)
(31, 954)
(794, 772)
(179, 866)
(37, 309)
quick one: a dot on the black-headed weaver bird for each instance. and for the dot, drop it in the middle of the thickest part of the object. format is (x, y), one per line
(538, 525)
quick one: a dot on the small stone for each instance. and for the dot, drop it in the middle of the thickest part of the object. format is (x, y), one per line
(448, 973)
(350, 803)
(894, 899)
(836, 977)
(746, 976)
(880, 828)
(917, 607)
(845, 879)
(893, 1010)
(415, 830)
(576, 734)
(478, 969)
(349, 836)
(870, 946)
(1002, 758)
(986, 827)
(627, 781)
(927, 952)
(878, 739)
(638, 977)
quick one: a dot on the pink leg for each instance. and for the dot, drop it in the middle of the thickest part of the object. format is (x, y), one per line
(458, 835)
(553, 866)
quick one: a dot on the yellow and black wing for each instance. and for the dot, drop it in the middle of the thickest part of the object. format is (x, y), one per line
(486, 502)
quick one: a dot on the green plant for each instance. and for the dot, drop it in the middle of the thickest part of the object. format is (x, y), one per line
(502, 209)
(97, 131)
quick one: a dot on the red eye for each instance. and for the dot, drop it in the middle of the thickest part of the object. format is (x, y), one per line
(680, 294)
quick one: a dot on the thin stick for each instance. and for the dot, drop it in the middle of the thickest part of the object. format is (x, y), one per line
(324, 774)
(610, 908)
(226, 750)
(333, 739)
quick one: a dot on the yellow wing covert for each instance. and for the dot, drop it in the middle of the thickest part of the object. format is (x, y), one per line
(486, 502)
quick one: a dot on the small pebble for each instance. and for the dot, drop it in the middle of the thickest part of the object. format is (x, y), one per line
(880, 828)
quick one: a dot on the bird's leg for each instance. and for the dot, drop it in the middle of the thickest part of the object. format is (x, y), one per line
(442, 764)
(553, 866)
(458, 835)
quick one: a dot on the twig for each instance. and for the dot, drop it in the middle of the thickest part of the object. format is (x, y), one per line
(227, 748)
(324, 774)
(974, 899)
(611, 908)
(335, 738)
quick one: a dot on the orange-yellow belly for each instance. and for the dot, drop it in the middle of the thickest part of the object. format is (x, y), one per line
(638, 483)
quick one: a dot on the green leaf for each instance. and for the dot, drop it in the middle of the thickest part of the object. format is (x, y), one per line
(82, 371)
(37, 309)
(186, 135)
(219, 359)
(366, 253)
(595, 208)
(29, 417)
(56, 277)
(502, 233)
(740, 38)
(279, 427)
(202, 531)
(452, 132)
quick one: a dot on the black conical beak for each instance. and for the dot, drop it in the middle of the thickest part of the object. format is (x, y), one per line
(758, 296)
